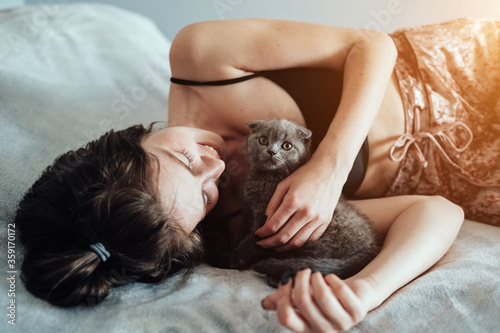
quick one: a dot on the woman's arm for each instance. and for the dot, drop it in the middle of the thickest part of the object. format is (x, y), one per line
(418, 232)
(226, 49)
(217, 50)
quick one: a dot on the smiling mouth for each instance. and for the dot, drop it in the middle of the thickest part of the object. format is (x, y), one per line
(213, 149)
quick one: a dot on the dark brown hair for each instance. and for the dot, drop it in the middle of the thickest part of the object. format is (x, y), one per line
(105, 192)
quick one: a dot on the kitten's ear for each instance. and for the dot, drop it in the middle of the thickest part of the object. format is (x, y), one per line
(304, 133)
(254, 125)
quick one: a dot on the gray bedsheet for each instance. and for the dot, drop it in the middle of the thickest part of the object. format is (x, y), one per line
(67, 74)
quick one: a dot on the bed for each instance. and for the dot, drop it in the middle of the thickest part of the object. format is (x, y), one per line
(68, 73)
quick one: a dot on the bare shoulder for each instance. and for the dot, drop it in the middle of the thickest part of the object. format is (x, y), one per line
(215, 50)
(194, 54)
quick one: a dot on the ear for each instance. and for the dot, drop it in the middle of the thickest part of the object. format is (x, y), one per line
(304, 133)
(254, 125)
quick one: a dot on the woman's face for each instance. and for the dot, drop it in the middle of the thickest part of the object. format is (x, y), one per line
(190, 163)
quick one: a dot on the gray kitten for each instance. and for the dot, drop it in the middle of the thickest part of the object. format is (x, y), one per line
(276, 148)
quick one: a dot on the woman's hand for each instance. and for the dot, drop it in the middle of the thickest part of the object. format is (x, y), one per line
(320, 304)
(302, 206)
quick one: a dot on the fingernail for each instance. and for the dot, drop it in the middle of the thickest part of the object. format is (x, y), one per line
(262, 304)
(285, 278)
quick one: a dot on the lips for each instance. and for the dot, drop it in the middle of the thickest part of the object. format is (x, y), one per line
(213, 148)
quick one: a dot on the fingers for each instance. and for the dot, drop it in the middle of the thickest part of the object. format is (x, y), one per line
(276, 212)
(301, 236)
(318, 232)
(305, 304)
(310, 233)
(293, 229)
(276, 199)
(317, 304)
(347, 298)
(295, 233)
(329, 305)
(269, 303)
(287, 316)
(296, 213)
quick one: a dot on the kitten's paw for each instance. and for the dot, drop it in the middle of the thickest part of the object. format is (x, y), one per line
(275, 280)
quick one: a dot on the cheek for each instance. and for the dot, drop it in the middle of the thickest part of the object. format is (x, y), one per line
(188, 220)
(190, 206)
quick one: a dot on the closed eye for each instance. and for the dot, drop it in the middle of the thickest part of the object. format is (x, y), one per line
(208, 198)
(188, 156)
(188, 165)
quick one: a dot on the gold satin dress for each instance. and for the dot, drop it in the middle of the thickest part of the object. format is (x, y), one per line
(449, 75)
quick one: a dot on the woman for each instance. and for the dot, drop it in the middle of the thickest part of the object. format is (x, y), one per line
(246, 59)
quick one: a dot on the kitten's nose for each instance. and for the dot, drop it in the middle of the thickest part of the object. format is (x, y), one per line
(271, 152)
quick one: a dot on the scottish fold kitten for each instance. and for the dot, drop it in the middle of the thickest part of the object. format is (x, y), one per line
(276, 148)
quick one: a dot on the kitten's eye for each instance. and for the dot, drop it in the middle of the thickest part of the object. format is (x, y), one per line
(287, 145)
(263, 140)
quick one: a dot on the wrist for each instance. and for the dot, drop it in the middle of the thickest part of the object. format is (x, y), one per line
(367, 290)
(329, 162)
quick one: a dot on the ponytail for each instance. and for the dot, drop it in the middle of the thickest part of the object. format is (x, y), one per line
(69, 279)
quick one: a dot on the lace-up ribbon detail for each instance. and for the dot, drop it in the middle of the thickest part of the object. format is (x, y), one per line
(405, 141)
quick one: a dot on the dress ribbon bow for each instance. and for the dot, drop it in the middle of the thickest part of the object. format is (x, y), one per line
(407, 140)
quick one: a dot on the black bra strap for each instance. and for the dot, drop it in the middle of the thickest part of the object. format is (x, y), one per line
(212, 83)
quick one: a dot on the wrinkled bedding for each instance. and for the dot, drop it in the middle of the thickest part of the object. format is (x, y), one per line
(70, 72)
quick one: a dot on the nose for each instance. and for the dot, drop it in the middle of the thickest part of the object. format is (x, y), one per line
(271, 152)
(213, 167)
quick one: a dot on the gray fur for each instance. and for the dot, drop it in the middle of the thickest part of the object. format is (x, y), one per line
(348, 244)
